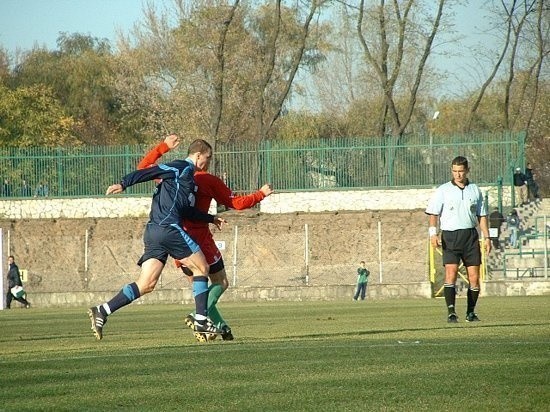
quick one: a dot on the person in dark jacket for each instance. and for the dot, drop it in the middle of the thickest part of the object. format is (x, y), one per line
(496, 219)
(532, 185)
(520, 186)
(14, 279)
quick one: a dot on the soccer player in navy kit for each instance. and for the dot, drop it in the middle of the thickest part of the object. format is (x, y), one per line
(173, 200)
(460, 207)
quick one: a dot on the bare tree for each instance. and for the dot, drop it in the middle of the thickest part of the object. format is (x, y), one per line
(388, 65)
(229, 68)
(516, 15)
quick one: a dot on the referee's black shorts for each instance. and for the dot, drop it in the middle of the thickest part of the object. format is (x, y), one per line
(461, 244)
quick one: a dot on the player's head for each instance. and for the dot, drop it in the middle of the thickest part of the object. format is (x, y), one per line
(200, 152)
(460, 169)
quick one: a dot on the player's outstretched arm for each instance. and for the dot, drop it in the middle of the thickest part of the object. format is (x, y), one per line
(150, 159)
(247, 201)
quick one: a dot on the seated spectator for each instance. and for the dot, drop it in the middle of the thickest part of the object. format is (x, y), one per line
(41, 190)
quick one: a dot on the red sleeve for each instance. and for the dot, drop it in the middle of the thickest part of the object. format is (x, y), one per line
(246, 201)
(216, 189)
(153, 155)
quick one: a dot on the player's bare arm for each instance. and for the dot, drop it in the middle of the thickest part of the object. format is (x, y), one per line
(484, 227)
(432, 223)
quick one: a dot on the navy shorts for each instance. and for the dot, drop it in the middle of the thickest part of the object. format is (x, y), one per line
(161, 241)
(462, 244)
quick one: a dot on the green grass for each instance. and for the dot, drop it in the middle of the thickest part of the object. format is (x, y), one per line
(396, 355)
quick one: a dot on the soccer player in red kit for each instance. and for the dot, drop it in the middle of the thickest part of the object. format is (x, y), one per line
(209, 187)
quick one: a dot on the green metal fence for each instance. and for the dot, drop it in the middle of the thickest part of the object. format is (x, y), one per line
(321, 164)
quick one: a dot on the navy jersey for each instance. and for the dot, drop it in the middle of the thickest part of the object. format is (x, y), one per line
(174, 196)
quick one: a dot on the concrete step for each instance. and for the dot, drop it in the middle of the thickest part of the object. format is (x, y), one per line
(524, 262)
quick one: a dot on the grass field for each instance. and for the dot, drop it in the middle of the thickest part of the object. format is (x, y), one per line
(391, 355)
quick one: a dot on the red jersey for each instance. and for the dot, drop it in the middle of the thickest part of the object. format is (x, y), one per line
(209, 187)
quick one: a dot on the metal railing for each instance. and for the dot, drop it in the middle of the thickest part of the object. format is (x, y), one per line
(320, 164)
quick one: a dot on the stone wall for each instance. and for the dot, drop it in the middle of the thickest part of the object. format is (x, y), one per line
(287, 202)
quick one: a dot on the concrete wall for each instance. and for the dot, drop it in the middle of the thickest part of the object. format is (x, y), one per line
(241, 294)
(297, 293)
(121, 206)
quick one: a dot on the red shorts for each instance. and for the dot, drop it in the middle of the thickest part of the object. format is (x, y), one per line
(205, 240)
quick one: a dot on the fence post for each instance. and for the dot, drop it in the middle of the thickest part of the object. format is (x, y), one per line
(545, 247)
(306, 252)
(499, 191)
(2, 270)
(235, 237)
(380, 249)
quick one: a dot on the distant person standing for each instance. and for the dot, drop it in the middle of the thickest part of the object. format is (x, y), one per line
(14, 279)
(496, 219)
(513, 226)
(26, 190)
(6, 188)
(532, 186)
(520, 186)
(459, 207)
(362, 280)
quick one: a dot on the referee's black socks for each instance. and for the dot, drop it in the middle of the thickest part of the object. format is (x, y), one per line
(473, 294)
(449, 292)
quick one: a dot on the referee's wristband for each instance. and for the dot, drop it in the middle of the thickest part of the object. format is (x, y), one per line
(432, 231)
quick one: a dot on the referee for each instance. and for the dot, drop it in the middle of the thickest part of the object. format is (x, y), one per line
(460, 208)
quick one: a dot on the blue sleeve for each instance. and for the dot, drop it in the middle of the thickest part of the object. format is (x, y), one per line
(166, 171)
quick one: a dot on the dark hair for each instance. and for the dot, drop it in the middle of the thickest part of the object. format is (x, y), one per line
(11, 256)
(460, 161)
(200, 146)
(362, 261)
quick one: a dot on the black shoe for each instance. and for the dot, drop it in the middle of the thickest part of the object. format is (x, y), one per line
(190, 321)
(452, 318)
(205, 331)
(226, 333)
(98, 321)
(205, 326)
(472, 317)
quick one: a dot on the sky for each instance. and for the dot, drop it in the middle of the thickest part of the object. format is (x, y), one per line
(26, 23)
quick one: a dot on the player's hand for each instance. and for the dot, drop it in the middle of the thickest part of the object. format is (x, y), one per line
(114, 189)
(266, 189)
(488, 245)
(219, 222)
(172, 141)
(434, 240)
